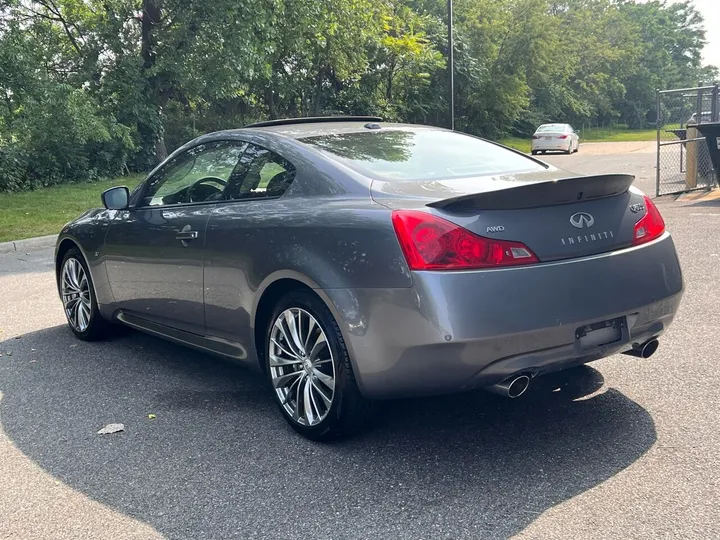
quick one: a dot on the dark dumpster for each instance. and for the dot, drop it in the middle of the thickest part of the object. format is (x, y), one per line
(711, 132)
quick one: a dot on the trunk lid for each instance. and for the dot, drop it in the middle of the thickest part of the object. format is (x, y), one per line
(556, 216)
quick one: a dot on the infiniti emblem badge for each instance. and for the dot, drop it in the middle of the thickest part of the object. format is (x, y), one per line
(582, 220)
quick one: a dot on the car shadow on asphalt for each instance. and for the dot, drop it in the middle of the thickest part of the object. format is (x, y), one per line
(217, 460)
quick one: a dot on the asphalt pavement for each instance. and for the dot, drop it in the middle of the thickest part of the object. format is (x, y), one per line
(624, 448)
(636, 158)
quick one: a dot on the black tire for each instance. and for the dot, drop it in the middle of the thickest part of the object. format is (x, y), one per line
(97, 327)
(570, 149)
(349, 411)
(577, 148)
(534, 152)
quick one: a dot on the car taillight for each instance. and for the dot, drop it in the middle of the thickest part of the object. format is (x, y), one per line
(650, 226)
(562, 136)
(536, 137)
(432, 243)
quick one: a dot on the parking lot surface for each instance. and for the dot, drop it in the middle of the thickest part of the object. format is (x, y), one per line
(636, 158)
(623, 448)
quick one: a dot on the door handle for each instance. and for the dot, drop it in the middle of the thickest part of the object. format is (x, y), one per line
(186, 235)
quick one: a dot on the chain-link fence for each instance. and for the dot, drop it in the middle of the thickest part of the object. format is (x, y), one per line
(683, 160)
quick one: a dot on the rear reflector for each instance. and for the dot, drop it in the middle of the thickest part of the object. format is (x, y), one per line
(562, 136)
(650, 226)
(432, 243)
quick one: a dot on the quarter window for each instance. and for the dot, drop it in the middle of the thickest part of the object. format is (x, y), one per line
(261, 174)
(201, 174)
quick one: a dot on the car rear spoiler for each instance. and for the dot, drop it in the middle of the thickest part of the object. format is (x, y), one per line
(562, 191)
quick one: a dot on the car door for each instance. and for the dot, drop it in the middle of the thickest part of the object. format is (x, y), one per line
(154, 250)
(242, 237)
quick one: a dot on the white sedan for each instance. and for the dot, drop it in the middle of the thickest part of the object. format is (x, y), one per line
(555, 137)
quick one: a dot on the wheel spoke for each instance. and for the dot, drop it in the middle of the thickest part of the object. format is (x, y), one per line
(76, 314)
(279, 325)
(326, 400)
(296, 412)
(277, 361)
(283, 349)
(74, 274)
(82, 318)
(293, 327)
(317, 347)
(317, 363)
(67, 286)
(311, 328)
(307, 403)
(284, 380)
(327, 380)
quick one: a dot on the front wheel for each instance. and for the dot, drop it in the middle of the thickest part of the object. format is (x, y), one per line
(310, 370)
(78, 298)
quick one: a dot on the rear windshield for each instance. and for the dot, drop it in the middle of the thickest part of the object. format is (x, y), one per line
(552, 127)
(421, 155)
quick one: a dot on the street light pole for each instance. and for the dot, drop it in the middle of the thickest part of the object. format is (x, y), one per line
(451, 63)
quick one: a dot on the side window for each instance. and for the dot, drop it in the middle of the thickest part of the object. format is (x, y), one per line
(198, 175)
(261, 174)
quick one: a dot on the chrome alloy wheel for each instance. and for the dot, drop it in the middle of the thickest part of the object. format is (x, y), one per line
(76, 295)
(301, 366)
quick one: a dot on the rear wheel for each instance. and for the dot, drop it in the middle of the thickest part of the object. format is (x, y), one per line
(534, 152)
(310, 370)
(570, 148)
(78, 297)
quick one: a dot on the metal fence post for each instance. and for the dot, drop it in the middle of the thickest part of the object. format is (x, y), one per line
(657, 123)
(714, 104)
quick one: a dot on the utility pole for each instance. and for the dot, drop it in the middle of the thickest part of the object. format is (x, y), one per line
(451, 63)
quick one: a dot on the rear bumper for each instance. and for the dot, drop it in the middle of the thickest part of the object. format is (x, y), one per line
(455, 331)
(549, 145)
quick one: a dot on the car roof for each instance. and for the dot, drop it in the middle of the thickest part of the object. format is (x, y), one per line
(312, 129)
(553, 124)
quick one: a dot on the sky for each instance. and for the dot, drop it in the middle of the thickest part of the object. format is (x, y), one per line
(710, 10)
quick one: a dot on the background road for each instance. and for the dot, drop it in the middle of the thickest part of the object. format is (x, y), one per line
(636, 158)
(627, 448)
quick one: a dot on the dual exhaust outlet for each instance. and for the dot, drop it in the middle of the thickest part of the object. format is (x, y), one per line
(517, 385)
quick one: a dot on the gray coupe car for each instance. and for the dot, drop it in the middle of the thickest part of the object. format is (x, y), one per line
(352, 260)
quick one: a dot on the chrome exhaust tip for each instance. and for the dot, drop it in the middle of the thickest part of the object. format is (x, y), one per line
(514, 387)
(646, 350)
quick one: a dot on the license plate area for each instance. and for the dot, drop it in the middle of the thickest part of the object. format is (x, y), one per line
(601, 333)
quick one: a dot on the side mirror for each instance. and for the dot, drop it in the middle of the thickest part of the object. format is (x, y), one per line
(116, 198)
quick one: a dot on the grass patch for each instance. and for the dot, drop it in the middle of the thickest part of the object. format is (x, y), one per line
(617, 135)
(518, 143)
(592, 135)
(45, 211)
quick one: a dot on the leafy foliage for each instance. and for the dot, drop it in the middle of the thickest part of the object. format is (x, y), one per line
(90, 88)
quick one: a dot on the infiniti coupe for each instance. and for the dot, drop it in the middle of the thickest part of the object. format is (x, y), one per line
(352, 260)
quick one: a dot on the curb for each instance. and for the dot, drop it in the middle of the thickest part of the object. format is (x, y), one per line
(700, 196)
(39, 242)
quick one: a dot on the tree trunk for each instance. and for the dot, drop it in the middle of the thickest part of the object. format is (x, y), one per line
(161, 152)
(270, 98)
(318, 92)
(150, 17)
(391, 74)
(152, 11)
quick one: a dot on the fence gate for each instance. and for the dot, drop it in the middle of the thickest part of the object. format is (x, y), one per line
(683, 160)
